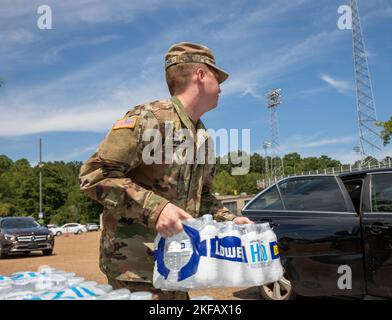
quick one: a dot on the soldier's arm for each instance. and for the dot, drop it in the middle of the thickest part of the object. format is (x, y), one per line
(209, 203)
(104, 176)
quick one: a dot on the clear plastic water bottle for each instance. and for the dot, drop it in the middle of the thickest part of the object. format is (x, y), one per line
(105, 288)
(76, 281)
(141, 295)
(4, 290)
(24, 281)
(119, 294)
(177, 252)
(88, 284)
(202, 298)
(274, 270)
(229, 250)
(252, 268)
(207, 273)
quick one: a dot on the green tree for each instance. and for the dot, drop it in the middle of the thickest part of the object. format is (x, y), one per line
(248, 183)
(7, 209)
(257, 163)
(292, 163)
(224, 183)
(5, 164)
(387, 130)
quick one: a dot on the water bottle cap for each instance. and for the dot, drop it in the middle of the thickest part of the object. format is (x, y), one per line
(249, 227)
(207, 217)
(69, 275)
(88, 284)
(75, 281)
(142, 295)
(121, 291)
(105, 287)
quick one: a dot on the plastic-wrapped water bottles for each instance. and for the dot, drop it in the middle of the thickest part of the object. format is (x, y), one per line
(119, 294)
(229, 252)
(273, 267)
(52, 284)
(177, 260)
(207, 272)
(211, 255)
(141, 295)
(253, 254)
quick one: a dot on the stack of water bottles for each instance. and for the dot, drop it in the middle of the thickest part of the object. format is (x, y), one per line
(210, 254)
(52, 284)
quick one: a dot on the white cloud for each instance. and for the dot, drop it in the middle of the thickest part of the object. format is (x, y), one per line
(54, 53)
(340, 85)
(328, 142)
(278, 63)
(306, 143)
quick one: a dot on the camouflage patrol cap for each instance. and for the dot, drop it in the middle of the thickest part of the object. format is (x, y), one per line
(186, 52)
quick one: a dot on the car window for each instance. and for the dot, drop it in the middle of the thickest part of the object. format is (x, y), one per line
(354, 189)
(19, 223)
(268, 200)
(312, 194)
(381, 193)
(232, 206)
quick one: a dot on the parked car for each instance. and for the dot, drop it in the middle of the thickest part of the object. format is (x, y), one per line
(324, 222)
(75, 228)
(23, 235)
(55, 229)
(92, 227)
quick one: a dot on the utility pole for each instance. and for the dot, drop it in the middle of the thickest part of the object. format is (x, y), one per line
(40, 165)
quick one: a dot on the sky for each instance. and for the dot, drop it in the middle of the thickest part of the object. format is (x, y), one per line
(68, 85)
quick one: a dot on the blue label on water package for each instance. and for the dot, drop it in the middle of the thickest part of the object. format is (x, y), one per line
(274, 250)
(227, 248)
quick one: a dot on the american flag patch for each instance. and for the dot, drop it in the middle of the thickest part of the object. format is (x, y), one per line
(129, 123)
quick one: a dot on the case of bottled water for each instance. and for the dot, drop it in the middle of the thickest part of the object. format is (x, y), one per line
(210, 254)
(52, 284)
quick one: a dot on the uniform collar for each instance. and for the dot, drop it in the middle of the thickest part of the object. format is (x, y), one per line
(186, 119)
(183, 114)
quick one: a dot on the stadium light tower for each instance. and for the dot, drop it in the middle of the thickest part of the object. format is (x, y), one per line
(274, 99)
(369, 135)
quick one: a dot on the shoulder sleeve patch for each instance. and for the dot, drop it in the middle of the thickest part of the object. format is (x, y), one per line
(126, 123)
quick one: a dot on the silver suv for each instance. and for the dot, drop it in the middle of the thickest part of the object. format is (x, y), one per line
(23, 235)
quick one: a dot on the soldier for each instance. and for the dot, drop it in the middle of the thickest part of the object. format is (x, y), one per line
(142, 197)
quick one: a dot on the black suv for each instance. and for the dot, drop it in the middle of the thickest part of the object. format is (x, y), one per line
(330, 228)
(24, 234)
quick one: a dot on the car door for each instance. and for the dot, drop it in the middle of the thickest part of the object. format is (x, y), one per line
(318, 232)
(67, 228)
(377, 233)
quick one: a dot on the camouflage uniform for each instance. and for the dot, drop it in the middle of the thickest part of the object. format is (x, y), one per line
(134, 193)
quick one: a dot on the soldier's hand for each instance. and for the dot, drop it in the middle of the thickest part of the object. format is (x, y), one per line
(169, 221)
(243, 220)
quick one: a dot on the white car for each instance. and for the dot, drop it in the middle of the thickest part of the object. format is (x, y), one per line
(55, 229)
(92, 227)
(75, 228)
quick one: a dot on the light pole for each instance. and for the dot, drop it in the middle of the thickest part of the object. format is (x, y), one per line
(40, 165)
(274, 99)
(357, 149)
(266, 145)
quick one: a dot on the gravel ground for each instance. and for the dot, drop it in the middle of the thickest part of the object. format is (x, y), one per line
(79, 254)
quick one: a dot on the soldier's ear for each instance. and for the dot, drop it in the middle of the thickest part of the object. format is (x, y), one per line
(200, 74)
